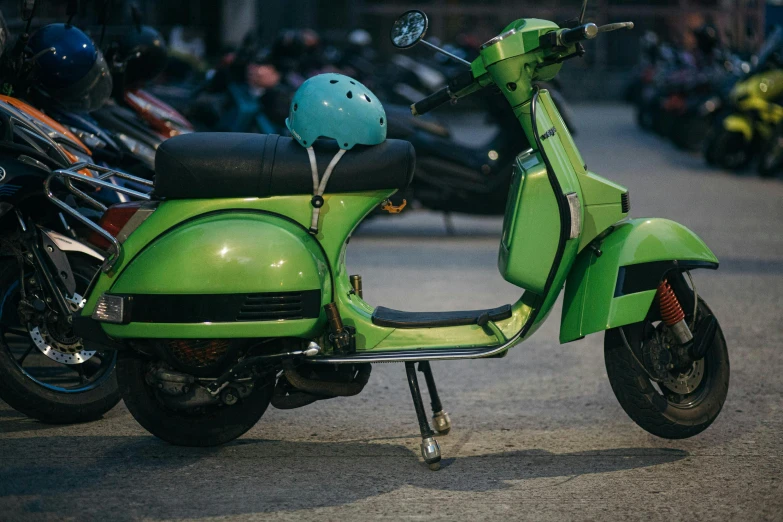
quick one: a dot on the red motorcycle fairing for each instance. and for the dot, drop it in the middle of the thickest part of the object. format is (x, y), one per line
(163, 118)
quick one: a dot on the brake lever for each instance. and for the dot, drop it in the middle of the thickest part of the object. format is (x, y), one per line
(614, 27)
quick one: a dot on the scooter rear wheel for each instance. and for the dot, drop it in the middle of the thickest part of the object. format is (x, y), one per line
(672, 409)
(202, 427)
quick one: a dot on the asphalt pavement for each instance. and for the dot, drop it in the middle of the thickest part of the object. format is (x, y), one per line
(537, 435)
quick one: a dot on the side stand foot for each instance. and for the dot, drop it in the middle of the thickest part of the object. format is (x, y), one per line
(440, 419)
(430, 449)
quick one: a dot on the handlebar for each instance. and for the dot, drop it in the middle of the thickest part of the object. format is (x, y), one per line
(460, 82)
(433, 101)
(577, 34)
(583, 32)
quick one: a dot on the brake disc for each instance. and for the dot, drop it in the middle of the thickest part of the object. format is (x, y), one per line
(63, 353)
(686, 382)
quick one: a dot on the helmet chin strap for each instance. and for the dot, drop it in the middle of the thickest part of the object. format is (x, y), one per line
(319, 187)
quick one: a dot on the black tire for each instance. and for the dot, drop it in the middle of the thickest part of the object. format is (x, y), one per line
(771, 157)
(689, 134)
(34, 398)
(647, 406)
(728, 150)
(209, 426)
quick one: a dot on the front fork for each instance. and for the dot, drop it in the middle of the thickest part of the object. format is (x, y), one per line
(693, 339)
(37, 248)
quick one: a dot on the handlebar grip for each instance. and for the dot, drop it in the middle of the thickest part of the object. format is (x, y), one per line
(433, 101)
(577, 34)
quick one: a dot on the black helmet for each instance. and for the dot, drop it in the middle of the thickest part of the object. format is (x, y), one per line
(145, 54)
(75, 73)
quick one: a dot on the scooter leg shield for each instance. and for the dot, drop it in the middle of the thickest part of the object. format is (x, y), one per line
(618, 286)
(235, 274)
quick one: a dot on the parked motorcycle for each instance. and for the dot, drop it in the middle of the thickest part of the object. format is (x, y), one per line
(746, 127)
(45, 370)
(229, 292)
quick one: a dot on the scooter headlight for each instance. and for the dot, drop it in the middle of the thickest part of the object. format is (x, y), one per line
(112, 309)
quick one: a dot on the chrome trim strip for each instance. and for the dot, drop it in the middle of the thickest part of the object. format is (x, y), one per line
(430, 354)
(498, 38)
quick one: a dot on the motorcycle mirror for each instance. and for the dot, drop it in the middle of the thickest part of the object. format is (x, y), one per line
(409, 29)
(136, 16)
(72, 9)
(27, 9)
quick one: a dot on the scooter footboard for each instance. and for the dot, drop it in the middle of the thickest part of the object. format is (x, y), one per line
(617, 286)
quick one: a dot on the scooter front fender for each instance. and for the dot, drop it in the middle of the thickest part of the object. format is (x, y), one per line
(618, 287)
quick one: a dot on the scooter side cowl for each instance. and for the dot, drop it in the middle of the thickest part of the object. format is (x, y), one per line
(229, 274)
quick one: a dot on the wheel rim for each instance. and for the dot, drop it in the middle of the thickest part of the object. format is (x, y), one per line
(36, 359)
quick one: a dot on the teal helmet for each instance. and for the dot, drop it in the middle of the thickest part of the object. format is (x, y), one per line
(338, 107)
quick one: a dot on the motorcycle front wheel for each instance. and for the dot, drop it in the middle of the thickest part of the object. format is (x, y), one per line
(45, 372)
(680, 406)
(203, 426)
(771, 156)
(728, 150)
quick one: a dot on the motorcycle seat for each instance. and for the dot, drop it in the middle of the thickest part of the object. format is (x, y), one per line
(231, 165)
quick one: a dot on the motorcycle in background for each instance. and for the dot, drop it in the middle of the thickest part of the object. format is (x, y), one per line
(747, 125)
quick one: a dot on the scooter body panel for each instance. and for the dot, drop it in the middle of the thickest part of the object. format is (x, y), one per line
(602, 292)
(249, 264)
(229, 247)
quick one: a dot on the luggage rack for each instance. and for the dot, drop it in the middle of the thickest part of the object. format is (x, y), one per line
(71, 174)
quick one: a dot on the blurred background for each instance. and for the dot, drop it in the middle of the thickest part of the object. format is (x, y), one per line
(209, 28)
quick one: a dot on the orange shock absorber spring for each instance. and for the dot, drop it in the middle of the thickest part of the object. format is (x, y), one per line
(671, 311)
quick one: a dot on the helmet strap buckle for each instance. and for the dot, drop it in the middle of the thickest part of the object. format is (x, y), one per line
(319, 185)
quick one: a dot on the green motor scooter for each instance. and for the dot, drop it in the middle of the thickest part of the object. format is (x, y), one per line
(227, 292)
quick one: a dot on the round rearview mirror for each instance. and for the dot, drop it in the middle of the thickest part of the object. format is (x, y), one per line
(409, 29)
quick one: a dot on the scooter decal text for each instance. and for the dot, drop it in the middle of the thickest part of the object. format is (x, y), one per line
(548, 134)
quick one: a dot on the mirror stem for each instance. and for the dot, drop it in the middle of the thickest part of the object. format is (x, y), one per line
(453, 57)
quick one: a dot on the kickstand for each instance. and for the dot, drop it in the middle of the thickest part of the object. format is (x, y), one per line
(440, 419)
(430, 449)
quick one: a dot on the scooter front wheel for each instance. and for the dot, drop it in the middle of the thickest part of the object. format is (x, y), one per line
(209, 425)
(679, 406)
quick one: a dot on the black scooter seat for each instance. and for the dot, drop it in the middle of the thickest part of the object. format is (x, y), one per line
(394, 318)
(230, 165)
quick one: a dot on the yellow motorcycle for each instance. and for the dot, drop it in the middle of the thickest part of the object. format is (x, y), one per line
(749, 125)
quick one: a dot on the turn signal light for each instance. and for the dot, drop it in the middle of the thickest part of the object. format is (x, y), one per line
(111, 309)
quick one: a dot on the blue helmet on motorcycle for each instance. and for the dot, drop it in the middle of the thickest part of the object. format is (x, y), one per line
(74, 72)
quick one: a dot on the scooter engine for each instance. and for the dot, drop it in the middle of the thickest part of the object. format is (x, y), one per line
(181, 391)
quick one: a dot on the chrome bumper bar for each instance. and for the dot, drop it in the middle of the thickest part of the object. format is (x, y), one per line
(71, 174)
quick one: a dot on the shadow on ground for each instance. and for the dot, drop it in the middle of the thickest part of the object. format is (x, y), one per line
(143, 477)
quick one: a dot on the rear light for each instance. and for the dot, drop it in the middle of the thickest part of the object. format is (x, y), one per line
(121, 220)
